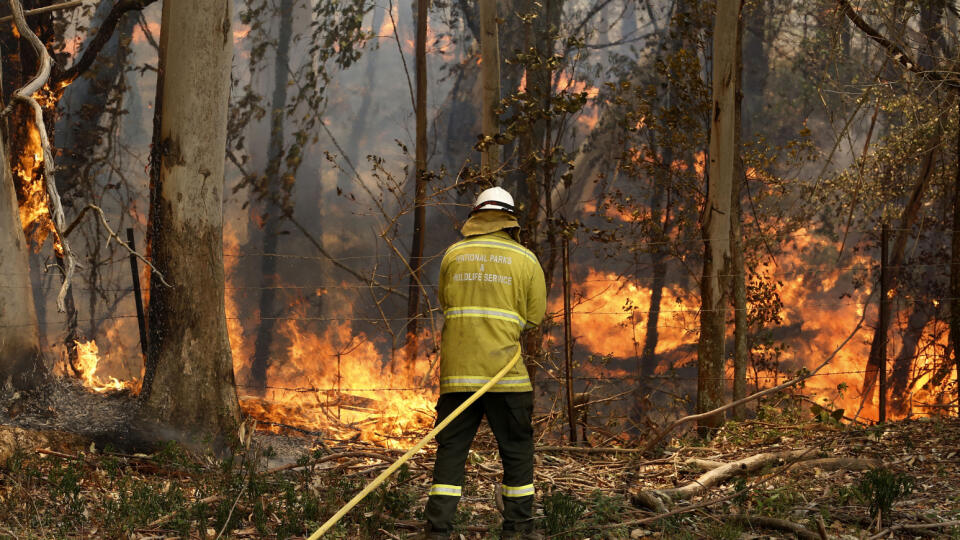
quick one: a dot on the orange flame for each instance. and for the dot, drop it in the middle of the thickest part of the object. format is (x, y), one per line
(88, 358)
(34, 210)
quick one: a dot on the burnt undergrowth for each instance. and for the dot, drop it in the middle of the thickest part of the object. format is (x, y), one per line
(57, 482)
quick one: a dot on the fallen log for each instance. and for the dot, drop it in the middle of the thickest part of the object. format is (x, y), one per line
(763, 522)
(703, 464)
(915, 527)
(718, 476)
(838, 463)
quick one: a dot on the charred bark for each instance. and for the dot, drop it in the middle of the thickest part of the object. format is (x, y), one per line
(188, 389)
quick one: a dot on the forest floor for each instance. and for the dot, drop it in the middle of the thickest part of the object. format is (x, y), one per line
(783, 474)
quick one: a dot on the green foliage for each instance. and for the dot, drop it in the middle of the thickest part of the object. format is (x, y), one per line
(561, 512)
(826, 416)
(776, 502)
(881, 488)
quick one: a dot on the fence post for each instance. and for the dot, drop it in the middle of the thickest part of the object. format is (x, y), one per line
(568, 339)
(137, 297)
(884, 322)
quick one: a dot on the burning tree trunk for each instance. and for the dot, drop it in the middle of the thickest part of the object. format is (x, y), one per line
(188, 385)
(273, 205)
(415, 289)
(716, 217)
(21, 364)
(490, 74)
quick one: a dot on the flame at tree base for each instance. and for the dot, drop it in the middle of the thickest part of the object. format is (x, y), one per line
(88, 358)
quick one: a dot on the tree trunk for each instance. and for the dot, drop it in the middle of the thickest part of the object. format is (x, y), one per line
(272, 202)
(756, 65)
(21, 363)
(188, 389)
(661, 189)
(907, 219)
(420, 187)
(899, 382)
(740, 348)
(716, 217)
(359, 127)
(955, 265)
(490, 74)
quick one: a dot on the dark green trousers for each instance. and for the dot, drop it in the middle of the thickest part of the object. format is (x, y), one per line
(509, 415)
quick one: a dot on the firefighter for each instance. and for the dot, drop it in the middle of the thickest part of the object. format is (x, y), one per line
(491, 289)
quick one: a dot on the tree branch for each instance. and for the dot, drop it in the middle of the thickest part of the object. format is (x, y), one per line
(100, 39)
(113, 236)
(45, 9)
(895, 51)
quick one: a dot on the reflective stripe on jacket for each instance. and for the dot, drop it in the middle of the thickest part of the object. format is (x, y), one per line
(491, 288)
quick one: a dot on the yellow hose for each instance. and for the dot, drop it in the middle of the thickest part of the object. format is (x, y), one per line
(419, 446)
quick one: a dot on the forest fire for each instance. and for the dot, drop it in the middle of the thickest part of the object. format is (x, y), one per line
(334, 380)
(337, 382)
(611, 312)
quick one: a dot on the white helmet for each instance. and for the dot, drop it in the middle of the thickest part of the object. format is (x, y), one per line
(495, 198)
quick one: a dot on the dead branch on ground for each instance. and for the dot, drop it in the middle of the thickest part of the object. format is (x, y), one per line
(765, 522)
(915, 527)
(719, 475)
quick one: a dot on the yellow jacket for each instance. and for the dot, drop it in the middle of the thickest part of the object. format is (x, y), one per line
(491, 288)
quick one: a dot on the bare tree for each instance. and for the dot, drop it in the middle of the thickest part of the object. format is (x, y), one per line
(189, 384)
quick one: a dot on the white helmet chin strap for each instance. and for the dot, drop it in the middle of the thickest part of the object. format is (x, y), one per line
(495, 205)
(495, 198)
